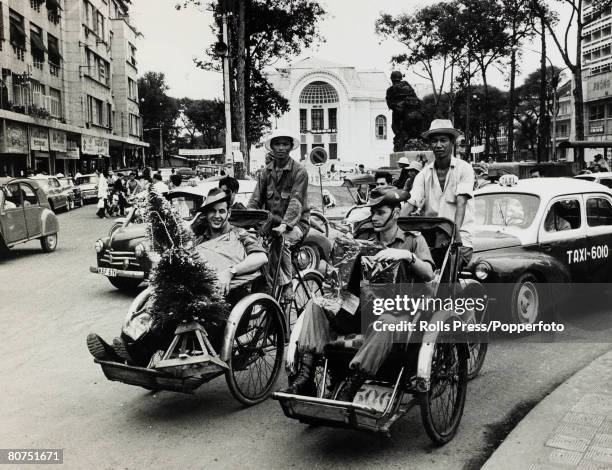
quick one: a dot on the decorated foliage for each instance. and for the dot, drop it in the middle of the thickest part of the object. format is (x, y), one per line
(184, 286)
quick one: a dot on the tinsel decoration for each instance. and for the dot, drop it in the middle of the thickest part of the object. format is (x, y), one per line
(184, 286)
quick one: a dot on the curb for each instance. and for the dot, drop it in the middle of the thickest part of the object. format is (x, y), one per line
(570, 428)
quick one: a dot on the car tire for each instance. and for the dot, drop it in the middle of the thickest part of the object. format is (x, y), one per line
(48, 243)
(309, 257)
(125, 284)
(526, 300)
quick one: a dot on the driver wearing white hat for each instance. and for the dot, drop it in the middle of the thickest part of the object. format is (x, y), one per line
(445, 187)
(282, 189)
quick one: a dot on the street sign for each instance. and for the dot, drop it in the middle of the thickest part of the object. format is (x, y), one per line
(318, 156)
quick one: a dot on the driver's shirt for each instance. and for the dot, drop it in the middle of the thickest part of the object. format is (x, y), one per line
(411, 241)
(427, 195)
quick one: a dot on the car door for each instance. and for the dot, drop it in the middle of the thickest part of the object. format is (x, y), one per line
(13, 217)
(562, 235)
(32, 210)
(599, 235)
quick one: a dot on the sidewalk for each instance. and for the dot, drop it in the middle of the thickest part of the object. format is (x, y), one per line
(569, 429)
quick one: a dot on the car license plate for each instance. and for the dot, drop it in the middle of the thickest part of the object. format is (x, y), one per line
(107, 272)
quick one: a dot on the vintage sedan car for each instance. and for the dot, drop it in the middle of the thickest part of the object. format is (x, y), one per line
(72, 192)
(604, 178)
(539, 231)
(56, 197)
(88, 184)
(25, 215)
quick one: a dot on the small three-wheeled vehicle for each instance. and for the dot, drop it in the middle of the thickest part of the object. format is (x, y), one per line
(430, 370)
(253, 345)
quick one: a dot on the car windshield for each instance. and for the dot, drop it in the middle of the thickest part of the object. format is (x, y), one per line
(506, 210)
(93, 179)
(66, 183)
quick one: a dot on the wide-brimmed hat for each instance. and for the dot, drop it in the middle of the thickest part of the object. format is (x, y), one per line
(215, 195)
(441, 126)
(384, 195)
(415, 166)
(281, 133)
(404, 161)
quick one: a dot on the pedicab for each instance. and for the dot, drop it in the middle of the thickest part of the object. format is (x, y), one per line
(253, 344)
(429, 371)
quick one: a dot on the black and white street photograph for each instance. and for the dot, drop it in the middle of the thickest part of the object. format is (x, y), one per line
(306, 234)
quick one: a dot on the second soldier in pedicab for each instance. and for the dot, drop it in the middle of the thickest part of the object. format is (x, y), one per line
(409, 252)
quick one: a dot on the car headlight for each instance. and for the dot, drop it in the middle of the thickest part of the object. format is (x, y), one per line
(140, 250)
(482, 271)
(99, 246)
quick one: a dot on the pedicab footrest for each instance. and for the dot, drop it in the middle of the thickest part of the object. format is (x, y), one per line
(323, 411)
(149, 378)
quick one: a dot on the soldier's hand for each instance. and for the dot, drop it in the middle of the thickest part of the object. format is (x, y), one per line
(280, 230)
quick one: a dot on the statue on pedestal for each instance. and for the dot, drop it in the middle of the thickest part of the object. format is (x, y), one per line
(407, 116)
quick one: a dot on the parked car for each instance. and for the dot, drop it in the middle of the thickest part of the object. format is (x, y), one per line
(604, 178)
(88, 184)
(25, 214)
(54, 192)
(72, 192)
(523, 169)
(538, 231)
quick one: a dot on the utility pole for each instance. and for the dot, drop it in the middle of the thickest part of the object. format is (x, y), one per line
(542, 138)
(241, 76)
(468, 137)
(161, 144)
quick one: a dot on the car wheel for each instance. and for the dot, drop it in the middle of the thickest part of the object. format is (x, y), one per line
(526, 300)
(49, 243)
(124, 284)
(308, 257)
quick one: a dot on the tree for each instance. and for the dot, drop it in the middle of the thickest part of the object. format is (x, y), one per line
(273, 30)
(561, 40)
(203, 120)
(518, 18)
(431, 36)
(157, 110)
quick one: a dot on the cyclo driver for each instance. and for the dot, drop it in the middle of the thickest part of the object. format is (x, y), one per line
(316, 332)
(282, 189)
(233, 252)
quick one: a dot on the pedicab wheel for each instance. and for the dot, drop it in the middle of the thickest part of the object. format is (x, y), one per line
(478, 351)
(258, 347)
(442, 405)
(305, 289)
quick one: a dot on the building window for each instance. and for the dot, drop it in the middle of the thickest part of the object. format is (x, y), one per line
(333, 151)
(87, 13)
(319, 93)
(38, 94)
(597, 111)
(103, 71)
(99, 26)
(54, 55)
(17, 31)
(55, 103)
(95, 110)
(332, 118)
(303, 120)
(132, 90)
(316, 118)
(381, 127)
(132, 59)
(37, 46)
(53, 8)
(303, 151)
(134, 124)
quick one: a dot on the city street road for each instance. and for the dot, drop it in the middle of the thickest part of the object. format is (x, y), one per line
(54, 396)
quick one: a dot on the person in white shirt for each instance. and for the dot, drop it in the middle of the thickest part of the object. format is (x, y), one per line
(445, 187)
(102, 194)
(158, 185)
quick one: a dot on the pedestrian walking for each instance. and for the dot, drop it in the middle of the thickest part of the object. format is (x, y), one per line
(102, 194)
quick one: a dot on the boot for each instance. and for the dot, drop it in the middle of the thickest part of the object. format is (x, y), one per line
(100, 349)
(303, 384)
(351, 386)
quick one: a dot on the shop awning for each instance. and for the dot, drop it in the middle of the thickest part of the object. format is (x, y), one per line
(54, 52)
(37, 43)
(53, 4)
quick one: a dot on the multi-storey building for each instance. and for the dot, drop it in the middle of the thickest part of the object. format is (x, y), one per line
(597, 73)
(67, 66)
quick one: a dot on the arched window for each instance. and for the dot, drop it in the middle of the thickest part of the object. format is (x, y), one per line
(381, 127)
(318, 93)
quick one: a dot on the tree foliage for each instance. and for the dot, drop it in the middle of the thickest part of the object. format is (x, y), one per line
(204, 121)
(276, 30)
(157, 109)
